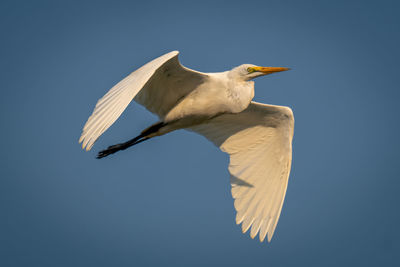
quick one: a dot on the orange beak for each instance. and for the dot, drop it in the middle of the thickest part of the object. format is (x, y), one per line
(269, 70)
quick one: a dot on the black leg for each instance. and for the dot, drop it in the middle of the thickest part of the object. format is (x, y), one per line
(138, 139)
(115, 148)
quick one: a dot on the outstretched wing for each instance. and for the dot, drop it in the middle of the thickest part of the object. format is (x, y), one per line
(158, 86)
(259, 142)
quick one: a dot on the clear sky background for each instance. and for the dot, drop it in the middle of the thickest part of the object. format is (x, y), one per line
(167, 202)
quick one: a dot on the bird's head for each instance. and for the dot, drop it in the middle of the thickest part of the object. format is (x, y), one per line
(248, 72)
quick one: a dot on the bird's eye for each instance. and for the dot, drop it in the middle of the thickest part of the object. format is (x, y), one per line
(250, 70)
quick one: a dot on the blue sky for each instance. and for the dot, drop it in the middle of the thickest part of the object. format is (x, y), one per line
(167, 202)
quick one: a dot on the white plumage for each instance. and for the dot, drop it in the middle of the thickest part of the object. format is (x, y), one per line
(258, 137)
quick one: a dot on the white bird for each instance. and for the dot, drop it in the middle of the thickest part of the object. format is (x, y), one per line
(219, 106)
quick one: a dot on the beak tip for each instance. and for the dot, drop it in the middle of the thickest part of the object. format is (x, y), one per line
(269, 70)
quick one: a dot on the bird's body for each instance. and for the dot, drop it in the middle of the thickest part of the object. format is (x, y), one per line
(219, 106)
(217, 94)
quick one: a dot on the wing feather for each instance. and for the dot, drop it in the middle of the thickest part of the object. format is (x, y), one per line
(157, 85)
(259, 143)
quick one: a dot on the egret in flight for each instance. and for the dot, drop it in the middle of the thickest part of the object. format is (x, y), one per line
(219, 106)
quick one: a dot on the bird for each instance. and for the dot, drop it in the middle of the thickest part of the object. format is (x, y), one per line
(219, 106)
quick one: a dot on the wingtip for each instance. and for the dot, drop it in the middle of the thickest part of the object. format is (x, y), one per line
(261, 238)
(252, 235)
(239, 217)
(269, 238)
(85, 146)
(81, 142)
(244, 228)
(89, 146)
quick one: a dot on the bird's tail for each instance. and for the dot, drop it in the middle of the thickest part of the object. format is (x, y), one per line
(146, 134)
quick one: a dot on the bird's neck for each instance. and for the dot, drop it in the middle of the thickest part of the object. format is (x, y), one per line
(241, 93)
